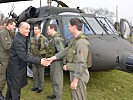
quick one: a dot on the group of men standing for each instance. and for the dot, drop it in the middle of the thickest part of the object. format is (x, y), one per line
(76, 58)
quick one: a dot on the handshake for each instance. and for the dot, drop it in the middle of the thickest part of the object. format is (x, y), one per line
(47, 61)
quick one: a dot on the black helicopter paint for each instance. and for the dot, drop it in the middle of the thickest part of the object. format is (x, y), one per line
(109, 49)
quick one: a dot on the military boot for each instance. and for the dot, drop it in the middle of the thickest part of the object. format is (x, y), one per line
(1, 96)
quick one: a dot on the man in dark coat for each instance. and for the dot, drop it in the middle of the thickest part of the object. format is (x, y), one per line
(19, 57)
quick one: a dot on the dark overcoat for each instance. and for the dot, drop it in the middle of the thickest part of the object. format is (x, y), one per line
(18, 59)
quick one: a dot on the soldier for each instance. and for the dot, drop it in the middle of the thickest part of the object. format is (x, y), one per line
(38, 49)
(5, 44)
(78, 59)
(56, 68)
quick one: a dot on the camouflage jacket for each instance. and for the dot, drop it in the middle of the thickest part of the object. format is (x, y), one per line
(55, 45)
(72, 55)
(38, 46)
(78, 56)
(5, 44)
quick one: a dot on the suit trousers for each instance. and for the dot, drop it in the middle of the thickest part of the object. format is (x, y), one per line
(12, 93)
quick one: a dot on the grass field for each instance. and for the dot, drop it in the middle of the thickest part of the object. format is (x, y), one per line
(105, 85)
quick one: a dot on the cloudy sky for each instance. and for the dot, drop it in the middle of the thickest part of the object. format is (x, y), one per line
(125, 7)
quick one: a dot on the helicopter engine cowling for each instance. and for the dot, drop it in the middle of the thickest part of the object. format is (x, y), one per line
(30, 12)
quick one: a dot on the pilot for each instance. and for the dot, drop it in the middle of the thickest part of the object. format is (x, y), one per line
(38, 49)
(56, 68)
(5, 44)
(78, 60)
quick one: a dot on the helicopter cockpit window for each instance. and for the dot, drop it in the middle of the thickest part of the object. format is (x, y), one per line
(86, 29)
(112, 27)
(105, 25)
(66, 31)
(95, 25)
(54, 21)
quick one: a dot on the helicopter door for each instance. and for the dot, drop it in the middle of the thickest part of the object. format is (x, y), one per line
(125, 30)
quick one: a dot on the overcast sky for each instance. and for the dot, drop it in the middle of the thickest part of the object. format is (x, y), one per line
(125, 7)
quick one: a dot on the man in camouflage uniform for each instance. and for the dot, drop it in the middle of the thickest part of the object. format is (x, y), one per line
(56, 68)
(78, 59)
(5, 44)
(38, 49)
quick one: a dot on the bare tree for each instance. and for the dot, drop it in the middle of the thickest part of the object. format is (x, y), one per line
(101, 12)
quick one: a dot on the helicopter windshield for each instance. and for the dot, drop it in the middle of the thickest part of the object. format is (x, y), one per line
(95, 25)
(90, 26)
(86, 28)
(106, 25)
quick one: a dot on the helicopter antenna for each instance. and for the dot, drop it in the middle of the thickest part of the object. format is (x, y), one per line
(40, 2)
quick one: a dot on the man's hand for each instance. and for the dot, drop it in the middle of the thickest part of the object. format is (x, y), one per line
(45, 62)
(74, 83)
(64, 67)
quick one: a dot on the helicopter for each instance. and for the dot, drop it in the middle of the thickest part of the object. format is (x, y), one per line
(109, 49)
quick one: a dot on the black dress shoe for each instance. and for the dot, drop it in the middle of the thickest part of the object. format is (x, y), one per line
(34, 89)
(38, 90)
(7, 99)
(51, 97)
(2, 98)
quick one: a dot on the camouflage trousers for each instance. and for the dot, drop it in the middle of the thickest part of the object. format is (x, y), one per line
(38, 76)
(3, 67)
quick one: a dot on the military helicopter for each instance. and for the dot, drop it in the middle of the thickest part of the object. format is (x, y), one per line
(109, 49)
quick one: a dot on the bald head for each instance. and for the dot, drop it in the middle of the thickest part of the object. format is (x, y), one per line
(24, 28)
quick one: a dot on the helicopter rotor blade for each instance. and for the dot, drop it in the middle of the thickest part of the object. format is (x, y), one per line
(5, 1)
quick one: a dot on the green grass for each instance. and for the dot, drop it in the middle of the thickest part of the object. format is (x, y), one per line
(105, 85)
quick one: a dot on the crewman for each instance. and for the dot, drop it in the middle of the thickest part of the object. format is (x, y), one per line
(5, 44)
(56, 68)
(38, 49)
